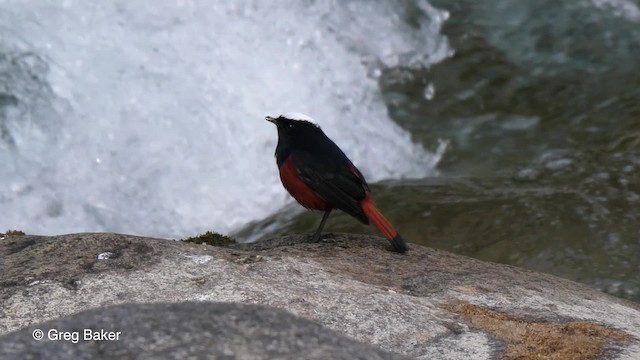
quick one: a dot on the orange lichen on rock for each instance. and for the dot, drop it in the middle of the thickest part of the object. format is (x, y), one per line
(530, 339)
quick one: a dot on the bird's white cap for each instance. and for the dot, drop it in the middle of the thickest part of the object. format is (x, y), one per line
(298, 116)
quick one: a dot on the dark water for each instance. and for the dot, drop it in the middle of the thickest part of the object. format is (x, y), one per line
(541, 105)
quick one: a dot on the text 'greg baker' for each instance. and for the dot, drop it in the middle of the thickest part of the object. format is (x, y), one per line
(74, 336)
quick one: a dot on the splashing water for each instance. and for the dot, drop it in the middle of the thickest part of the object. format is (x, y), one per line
(147, 117)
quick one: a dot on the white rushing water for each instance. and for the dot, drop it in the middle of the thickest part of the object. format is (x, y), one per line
(147, 117)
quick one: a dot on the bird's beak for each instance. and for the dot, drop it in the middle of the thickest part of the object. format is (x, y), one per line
(271, 119)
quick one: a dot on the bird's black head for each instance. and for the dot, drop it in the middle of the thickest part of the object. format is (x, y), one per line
(296, 129)
(296, 132)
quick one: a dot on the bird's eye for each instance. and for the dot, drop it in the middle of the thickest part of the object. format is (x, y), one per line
(290, 126)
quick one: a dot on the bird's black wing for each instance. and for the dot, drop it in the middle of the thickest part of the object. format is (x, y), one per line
(335, 179)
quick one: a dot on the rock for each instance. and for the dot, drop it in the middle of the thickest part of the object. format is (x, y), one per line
(425, 304)
(200, 330)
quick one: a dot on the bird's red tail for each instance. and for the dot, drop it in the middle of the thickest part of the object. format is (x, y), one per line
(383, 225)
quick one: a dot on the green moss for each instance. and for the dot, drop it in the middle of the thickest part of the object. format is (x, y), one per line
(13, 233)
(211, 238)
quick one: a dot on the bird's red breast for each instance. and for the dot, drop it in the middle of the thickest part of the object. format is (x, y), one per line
(299, 190)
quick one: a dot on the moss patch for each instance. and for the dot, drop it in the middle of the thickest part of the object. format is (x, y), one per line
(12, 233)
(211, 238)
(530, 339)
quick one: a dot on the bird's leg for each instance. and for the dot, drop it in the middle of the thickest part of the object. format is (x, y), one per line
(316, 236)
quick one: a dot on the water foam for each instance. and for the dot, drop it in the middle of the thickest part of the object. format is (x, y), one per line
(148, 117)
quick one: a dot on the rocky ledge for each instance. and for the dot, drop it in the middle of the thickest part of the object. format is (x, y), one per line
(346, 297)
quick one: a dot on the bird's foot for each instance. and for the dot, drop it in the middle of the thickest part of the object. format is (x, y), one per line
(315, 238)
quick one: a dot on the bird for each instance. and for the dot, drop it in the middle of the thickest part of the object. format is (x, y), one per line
(319, 176)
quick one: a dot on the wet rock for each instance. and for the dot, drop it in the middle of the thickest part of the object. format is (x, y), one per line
(201, 330)
(425, 304)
